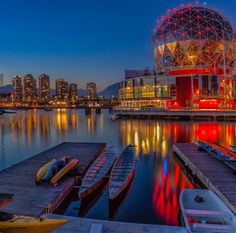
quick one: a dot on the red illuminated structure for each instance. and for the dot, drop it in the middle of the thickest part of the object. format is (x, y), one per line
(194, 52)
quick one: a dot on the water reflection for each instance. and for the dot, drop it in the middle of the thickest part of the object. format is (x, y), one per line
(153, 196)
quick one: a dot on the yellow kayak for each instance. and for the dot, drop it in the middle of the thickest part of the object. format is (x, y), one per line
(70, 166)
(10, 223)
(41, 172)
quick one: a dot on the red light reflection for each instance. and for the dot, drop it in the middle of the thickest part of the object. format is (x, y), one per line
(166, 194)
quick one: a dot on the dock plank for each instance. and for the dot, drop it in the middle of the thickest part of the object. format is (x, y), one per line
(33, 200)
(214, 174)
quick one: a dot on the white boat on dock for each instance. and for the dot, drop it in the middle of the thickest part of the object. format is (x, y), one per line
(97, 172)
(204, 212)
(122, 172)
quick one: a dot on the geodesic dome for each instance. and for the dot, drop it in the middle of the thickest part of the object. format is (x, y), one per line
(193, 38)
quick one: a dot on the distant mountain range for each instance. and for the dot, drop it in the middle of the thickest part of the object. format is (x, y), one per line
(6, 89)
(108, 92)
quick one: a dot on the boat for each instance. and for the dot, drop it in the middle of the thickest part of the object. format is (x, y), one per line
(8, 111)
(65, 170)
(233, 148)
(221, 153)
(203, 211)
(115, 116)
(96, 173)
(54, 167)
(122, 172)
(42, 171)
(48, 109)
(5, 199)
(10, 223)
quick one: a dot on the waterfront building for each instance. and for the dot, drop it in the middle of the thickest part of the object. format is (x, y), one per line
(17, 89)
(91, 91)
(44, 88)
(62, 90)
(194, 52)
(29, 88)
(73, 93)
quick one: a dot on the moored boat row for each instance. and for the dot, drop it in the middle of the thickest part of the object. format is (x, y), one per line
(122, 170)
(55, 170)
(224, 155)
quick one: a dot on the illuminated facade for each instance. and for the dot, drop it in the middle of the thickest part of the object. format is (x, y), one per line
(194, 52)
(91, 91)
(29, 88)
(73, 93)
(44, 88)
(17, 89)
(62, 90)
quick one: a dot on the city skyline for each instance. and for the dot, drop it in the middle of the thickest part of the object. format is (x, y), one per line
(64, 41)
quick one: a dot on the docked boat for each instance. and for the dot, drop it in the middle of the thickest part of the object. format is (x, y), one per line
(48, 109)
(224, 155)
(10, 223)
(96, 173)
(65, 170)
(54, 167)
(122, 172)
(204, 212)
(5, 199)
(42, 171)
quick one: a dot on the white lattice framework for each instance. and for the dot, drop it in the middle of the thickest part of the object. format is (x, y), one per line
(194, 37)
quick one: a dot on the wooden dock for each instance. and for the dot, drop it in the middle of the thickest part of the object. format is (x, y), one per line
(32, 200)
(182, 115)
(212, 173)
(83, 225)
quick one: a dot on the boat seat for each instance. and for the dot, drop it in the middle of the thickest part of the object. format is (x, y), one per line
(213, 228)
(208, 213)
(96, 228)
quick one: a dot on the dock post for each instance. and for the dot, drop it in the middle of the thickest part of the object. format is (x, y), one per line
(98, 110)
(87, 111)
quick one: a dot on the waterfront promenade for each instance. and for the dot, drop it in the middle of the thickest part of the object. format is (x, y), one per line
(188, 115)
(209, 171)
(83, 225)
(33, 200)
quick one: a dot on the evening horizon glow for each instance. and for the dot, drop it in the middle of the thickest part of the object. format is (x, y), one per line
(80, 41)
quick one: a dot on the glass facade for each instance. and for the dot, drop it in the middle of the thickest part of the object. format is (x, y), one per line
(198, 91)
(149, 88)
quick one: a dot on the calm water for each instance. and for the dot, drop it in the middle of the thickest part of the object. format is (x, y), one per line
(153, 195)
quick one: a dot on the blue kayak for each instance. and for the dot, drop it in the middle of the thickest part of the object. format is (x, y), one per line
(54, 168)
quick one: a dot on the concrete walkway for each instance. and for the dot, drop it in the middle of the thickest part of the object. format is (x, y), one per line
(83, 225)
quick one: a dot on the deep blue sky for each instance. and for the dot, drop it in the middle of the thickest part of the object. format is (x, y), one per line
(82, 40)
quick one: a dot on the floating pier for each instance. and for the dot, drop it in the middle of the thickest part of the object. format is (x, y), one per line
(34, 200)
(83, 225)
(187, 115)
(212, 173)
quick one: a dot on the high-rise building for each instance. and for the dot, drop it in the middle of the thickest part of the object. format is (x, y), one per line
(91, 91)
(30, 88)
(1, 80)
(62, 90)
(73, 92)
(44, 88)
(17, 89)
